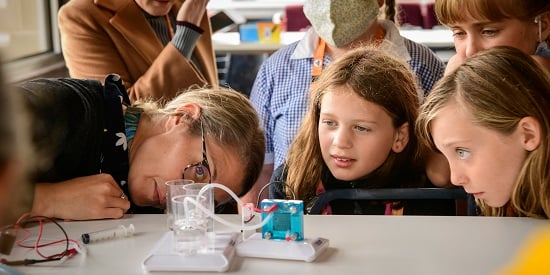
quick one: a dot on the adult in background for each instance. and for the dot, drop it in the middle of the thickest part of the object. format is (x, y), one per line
(157, 47)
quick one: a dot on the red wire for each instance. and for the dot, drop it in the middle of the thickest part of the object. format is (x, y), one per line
(51, 243)
(272, 208)
(41, 220)
(24, 238)
(37, 243)
(269, 210)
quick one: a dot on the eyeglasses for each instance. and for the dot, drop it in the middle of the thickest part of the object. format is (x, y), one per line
(199, 171)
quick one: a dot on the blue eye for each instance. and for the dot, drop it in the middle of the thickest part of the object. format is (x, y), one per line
(462, 154)
(489, 32)
(361, 128)
(459, 34)
(329, 123)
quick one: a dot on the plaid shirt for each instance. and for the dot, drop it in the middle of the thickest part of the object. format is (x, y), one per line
(280, 92)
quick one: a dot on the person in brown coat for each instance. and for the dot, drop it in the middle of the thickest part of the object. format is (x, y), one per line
(157, 47)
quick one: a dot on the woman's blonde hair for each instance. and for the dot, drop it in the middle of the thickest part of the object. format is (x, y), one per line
(228, 117)
(376, 77)
(500, 86)
(449, 12)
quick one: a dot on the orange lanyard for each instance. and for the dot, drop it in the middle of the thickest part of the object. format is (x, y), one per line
(318, 57)
(319, 54)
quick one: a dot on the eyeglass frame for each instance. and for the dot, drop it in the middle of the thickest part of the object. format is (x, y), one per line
(204, 161)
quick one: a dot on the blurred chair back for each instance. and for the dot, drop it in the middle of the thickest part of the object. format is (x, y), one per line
(410, 15)
(430, 19)
(295, 18)
(461, 198)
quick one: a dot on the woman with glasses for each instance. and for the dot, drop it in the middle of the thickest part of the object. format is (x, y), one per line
(106, 153)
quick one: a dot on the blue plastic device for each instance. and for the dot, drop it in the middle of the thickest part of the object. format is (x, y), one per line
(287, 222)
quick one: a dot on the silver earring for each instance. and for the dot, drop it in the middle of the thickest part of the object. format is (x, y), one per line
(538, 21)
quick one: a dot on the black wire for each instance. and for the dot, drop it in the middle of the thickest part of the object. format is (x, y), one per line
(270, 183)
(55, 257)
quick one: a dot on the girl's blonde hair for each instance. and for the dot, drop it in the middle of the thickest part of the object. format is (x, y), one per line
(500, 86)
(452, 11)
(227, 116)
(376, 77)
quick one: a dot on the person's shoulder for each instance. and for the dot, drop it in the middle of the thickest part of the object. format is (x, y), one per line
(73, 5)
(278, 62)
(277, 183)
(68, 86)
(422, 54)
(88, 5)
(284, 53)
(280, 173)
(76, 11)
(415, 47)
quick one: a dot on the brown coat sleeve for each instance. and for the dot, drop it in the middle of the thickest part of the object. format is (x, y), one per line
(108, 36)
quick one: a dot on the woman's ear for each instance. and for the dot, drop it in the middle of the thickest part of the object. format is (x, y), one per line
(192, 110)
(189, 111)
(530, 133)
(401, 138)
(544, 25)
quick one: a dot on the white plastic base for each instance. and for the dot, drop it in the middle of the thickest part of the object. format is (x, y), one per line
(305, 250)
(218, 256)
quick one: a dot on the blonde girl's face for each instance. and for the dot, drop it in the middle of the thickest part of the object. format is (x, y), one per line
(355, 135)
(483, 161)
(474, 35)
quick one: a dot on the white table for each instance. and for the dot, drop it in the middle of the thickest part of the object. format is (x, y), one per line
(434, 38)
(229, 42)
(358, 245)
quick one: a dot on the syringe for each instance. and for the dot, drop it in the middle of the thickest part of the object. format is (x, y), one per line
(107, 234)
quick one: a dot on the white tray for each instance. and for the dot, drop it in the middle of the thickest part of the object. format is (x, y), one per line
(218, 257)
(305, 250)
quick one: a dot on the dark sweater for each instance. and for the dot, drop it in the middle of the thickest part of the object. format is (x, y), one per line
(363, 207)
